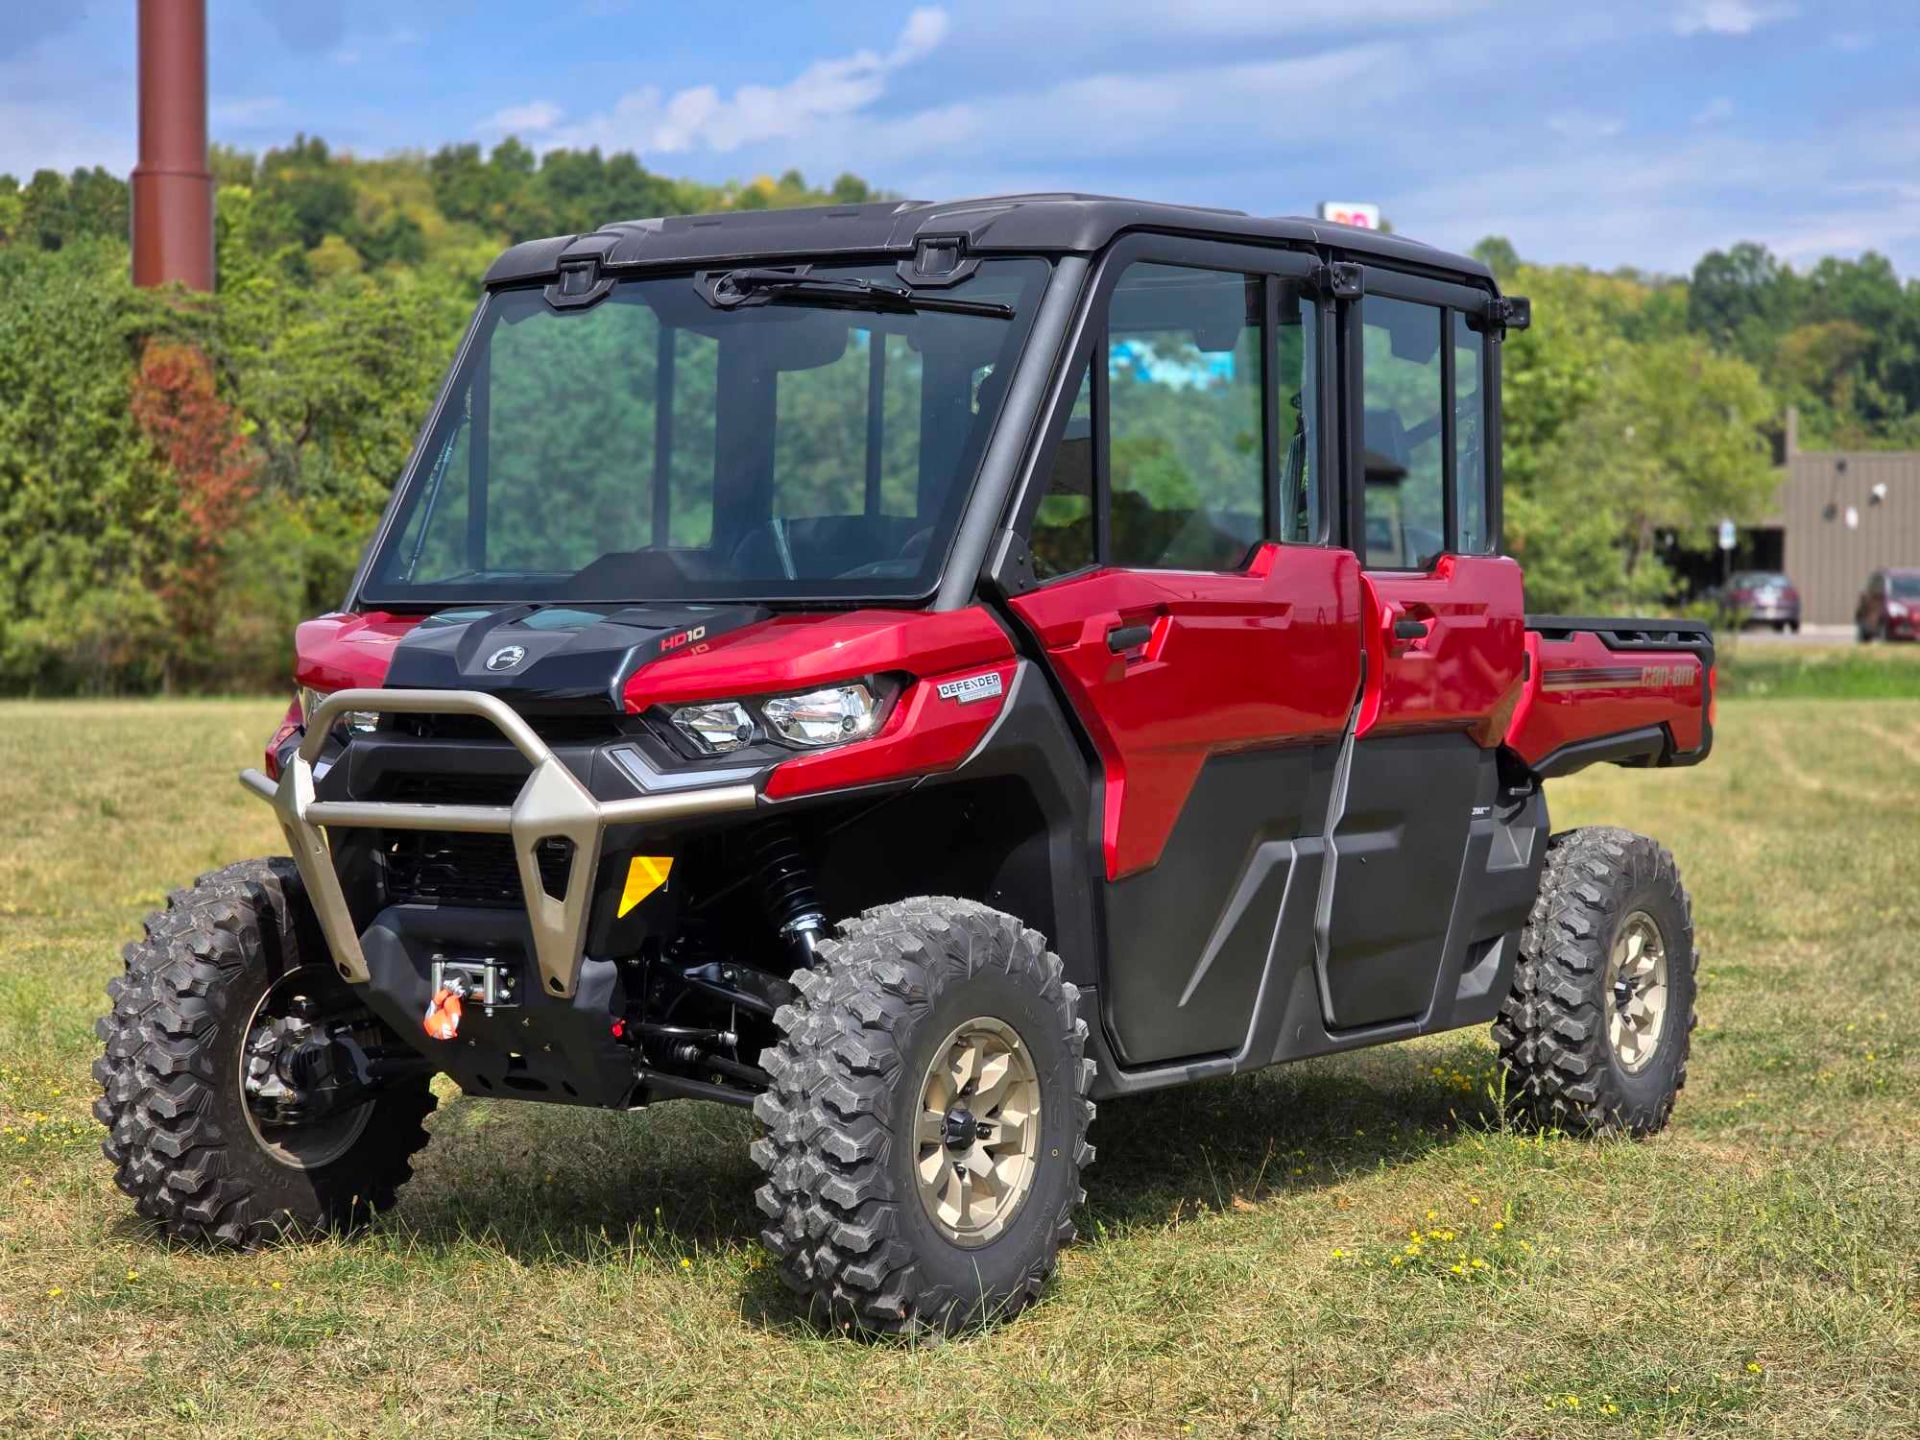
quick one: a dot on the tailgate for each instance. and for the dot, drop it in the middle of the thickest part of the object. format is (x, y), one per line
(1629, 692)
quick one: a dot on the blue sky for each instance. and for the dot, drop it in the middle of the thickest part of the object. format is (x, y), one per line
(1625, 133)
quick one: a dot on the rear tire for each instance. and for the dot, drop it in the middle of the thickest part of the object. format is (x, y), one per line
(1596, 1030)
(180, 1135)
(855, 1177)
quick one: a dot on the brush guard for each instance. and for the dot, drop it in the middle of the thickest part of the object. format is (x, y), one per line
(552, 804)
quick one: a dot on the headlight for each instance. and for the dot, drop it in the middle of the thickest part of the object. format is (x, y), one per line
(822, 717)
(715, 728)
(363, 722)
(818, 718)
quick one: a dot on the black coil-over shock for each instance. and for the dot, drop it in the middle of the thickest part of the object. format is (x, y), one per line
(786, 886)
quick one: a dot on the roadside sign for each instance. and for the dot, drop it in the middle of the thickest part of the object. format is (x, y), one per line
(1728, 536)
(1351, 212)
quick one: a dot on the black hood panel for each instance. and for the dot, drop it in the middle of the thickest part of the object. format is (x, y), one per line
(576, 655)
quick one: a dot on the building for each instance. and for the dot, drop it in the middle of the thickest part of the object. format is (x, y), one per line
(1840, 515)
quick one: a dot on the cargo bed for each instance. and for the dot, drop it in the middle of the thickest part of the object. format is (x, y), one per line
(1619, 691)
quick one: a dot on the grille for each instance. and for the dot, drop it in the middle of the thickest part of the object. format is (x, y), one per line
(455, 869)
(580, 729)
(432, 867)
(430, 788)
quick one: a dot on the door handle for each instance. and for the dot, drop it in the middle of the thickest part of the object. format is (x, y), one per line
(1407, 628)
(1122, 638)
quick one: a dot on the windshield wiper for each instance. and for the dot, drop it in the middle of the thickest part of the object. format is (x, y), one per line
(735, 288)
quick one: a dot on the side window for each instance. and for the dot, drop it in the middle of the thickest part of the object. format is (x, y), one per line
(1296, 352)
(1062, 536)
(1402, 434)
(1469, 438)
(1186, 459)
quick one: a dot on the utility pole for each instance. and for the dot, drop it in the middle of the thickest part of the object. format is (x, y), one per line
(172, 187)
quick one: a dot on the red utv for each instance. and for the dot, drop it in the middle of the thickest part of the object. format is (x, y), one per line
(914, 670)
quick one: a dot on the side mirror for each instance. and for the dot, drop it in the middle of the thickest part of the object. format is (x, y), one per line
(1504, 312)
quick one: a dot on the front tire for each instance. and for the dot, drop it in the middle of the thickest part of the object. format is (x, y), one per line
(887, 1214)
(184, 1142)
(1596, 1030)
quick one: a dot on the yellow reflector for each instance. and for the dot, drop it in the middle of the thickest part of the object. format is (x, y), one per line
(645, 875)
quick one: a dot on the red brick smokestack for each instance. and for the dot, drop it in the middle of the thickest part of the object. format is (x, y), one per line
(172, 188)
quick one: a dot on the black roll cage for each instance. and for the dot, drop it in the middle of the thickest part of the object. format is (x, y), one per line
(1341, 513)
(989, 547)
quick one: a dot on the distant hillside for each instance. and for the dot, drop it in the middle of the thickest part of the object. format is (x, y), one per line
(180, 483)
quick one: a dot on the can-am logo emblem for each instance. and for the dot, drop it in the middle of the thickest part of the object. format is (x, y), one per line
(974, 687)
(507, 657)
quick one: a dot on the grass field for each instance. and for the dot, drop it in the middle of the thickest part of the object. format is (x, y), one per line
(1762, 668)
(1244, 1266)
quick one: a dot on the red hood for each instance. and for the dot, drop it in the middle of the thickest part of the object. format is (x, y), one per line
(341, 652)
(786, 652)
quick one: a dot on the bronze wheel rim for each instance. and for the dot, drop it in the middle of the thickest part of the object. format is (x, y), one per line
(977, 1131)
(1636, 992)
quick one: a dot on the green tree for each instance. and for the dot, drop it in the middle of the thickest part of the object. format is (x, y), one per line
(1610, 441)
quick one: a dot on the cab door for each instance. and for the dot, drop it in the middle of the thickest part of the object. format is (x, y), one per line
(1208, 642)
(1444, 623)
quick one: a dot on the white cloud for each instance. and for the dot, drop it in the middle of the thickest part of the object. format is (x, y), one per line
(1714, 111)
(246, 110)
(358, 50)
(700, 118)
(530, 118)
(1726, 17)
(1584, 125)
(43, 137)
(1661, 203)
(1160, 114)
(1246, 18)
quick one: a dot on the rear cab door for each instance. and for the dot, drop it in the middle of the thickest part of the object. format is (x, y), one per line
(1444, 625)
(1198, 621)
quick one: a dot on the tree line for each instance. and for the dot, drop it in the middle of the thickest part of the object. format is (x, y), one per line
(182, 478)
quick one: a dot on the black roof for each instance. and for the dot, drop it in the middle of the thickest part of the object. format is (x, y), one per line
(1008, 223)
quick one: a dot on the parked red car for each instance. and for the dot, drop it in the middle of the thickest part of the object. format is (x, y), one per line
(1762, 597)
(1889, 607)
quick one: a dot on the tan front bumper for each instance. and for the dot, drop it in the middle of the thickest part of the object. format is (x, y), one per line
(552, 804)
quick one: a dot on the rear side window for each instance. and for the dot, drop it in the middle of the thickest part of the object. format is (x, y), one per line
(1403, 433)
(1469, 438)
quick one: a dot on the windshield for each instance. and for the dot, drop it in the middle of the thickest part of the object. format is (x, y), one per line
(1904, 587)
(655, 447)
